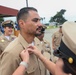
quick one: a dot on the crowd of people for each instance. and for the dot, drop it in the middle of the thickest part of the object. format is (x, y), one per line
(30, 53)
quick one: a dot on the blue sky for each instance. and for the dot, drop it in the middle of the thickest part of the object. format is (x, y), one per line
(48, 8)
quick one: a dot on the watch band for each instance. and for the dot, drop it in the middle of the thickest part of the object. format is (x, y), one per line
(24, 64)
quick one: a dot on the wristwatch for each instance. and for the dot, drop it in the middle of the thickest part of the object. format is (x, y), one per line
(24, 64)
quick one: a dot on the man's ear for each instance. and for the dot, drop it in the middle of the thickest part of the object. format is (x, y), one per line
(21, 23)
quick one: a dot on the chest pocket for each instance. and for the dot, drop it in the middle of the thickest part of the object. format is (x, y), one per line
(33, 64)
(56, 37)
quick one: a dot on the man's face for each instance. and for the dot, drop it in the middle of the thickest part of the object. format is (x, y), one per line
(32, 24)
(8, 30)
(41, 37)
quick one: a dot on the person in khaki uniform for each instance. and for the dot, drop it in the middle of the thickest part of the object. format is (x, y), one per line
(45, 44)
(66, 65)
(7, 37)
(56, 39)
(46, 50)
(30, 25)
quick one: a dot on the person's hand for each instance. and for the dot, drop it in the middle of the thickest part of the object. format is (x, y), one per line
(25, 55)
(34, 49)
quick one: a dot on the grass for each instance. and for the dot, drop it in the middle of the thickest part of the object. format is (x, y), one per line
(51, 27)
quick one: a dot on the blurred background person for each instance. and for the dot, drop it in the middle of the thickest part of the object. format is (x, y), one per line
(45, 44)
(7, 36)
(56, 39)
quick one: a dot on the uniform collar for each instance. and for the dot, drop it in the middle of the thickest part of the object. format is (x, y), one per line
(44, 40)
(4, 38)
(24, 43)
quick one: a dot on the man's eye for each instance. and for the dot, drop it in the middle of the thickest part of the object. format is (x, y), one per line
(35, 20)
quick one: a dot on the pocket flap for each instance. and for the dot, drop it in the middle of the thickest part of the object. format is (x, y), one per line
(33, 64)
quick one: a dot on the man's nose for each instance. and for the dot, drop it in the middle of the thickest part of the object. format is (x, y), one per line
(40, 24)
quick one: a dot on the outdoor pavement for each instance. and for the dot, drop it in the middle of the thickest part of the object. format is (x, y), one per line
(48, 37)
(49, 32)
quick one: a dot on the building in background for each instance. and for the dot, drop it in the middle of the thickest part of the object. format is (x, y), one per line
(13, 4)
(7, 11)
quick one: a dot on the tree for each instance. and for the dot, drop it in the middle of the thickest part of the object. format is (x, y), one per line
(59, 17)
(1, 19)
(42, 19)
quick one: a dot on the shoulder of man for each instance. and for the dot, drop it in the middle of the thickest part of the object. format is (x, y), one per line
(46, 41)
(55, 33)
(12, 54)
(37, 40)
(14, 47)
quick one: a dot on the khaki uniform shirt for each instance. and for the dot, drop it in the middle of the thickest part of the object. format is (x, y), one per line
(57, 39)
(46, 48)
(4, 42)
(10, 58)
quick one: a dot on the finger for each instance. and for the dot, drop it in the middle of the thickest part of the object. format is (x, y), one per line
(30, 46)
(30, 51)
(22, 52)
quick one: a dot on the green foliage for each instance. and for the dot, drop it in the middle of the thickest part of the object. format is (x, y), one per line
(59, 17)
(1, 19)
(51, 27)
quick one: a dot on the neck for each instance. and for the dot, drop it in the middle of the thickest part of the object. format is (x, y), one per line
(29, 38)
